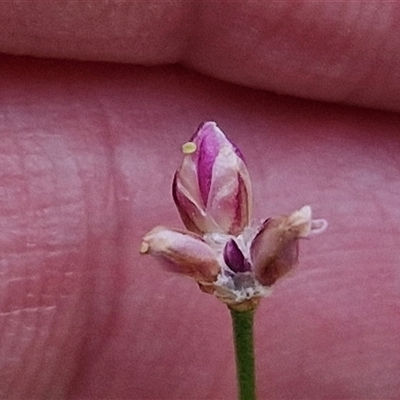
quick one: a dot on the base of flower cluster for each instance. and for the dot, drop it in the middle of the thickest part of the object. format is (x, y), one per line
(247, 305)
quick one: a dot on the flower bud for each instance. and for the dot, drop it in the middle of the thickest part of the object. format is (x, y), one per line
(182, 252)
(234, 258)
(274, 250)
(212, 189)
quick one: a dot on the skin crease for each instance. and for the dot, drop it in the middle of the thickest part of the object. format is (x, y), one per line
(344, 51)
(87, 155)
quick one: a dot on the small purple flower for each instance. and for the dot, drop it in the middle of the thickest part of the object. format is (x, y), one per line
(221, 250)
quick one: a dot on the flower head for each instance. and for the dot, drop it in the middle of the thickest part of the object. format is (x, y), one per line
(221, 250)
(212, 188)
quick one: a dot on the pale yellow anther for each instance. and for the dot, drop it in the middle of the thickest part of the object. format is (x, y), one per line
(189, 148)
(144, 248)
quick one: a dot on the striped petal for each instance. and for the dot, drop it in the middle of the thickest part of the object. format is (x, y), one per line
(275, 249)
(182, 252)
(192, 214)
(230, 194)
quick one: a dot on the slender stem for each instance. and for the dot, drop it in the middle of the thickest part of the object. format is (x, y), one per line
(244, 349)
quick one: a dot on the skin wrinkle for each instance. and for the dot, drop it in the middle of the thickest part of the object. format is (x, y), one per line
(335, 64)
(374, 24)
(37, 221)
(104, 307)
(330, 51)
(300, 62)
(101, 30)
(22, 285)
(38, 341)
(45, 327)
(25, 353)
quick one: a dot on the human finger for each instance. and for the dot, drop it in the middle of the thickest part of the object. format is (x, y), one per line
(345, 52)
(88, 155)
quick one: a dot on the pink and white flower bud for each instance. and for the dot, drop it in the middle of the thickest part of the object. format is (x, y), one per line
(182, 252)
(274, 250)
(212, 189)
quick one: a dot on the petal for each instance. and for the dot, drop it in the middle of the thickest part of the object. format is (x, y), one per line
(230, 193)
(192, 215)
(187, 175)
(209, 131)
(274, 251)
(209, 140)
(186, 195)
(234, 258)
(182, 252)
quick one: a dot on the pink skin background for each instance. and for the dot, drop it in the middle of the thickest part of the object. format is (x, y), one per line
(87, 154)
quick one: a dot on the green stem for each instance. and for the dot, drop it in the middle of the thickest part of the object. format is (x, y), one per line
(244, 349)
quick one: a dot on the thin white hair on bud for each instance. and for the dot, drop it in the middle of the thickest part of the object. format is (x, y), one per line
(318, 226)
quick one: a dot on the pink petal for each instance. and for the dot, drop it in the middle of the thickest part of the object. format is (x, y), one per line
(243, 200)
(274, 251)
(210, 131)
(183, 253)
(187, 175)
(209, 140)
(189, 211)
(193, 216)
(230, 193)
